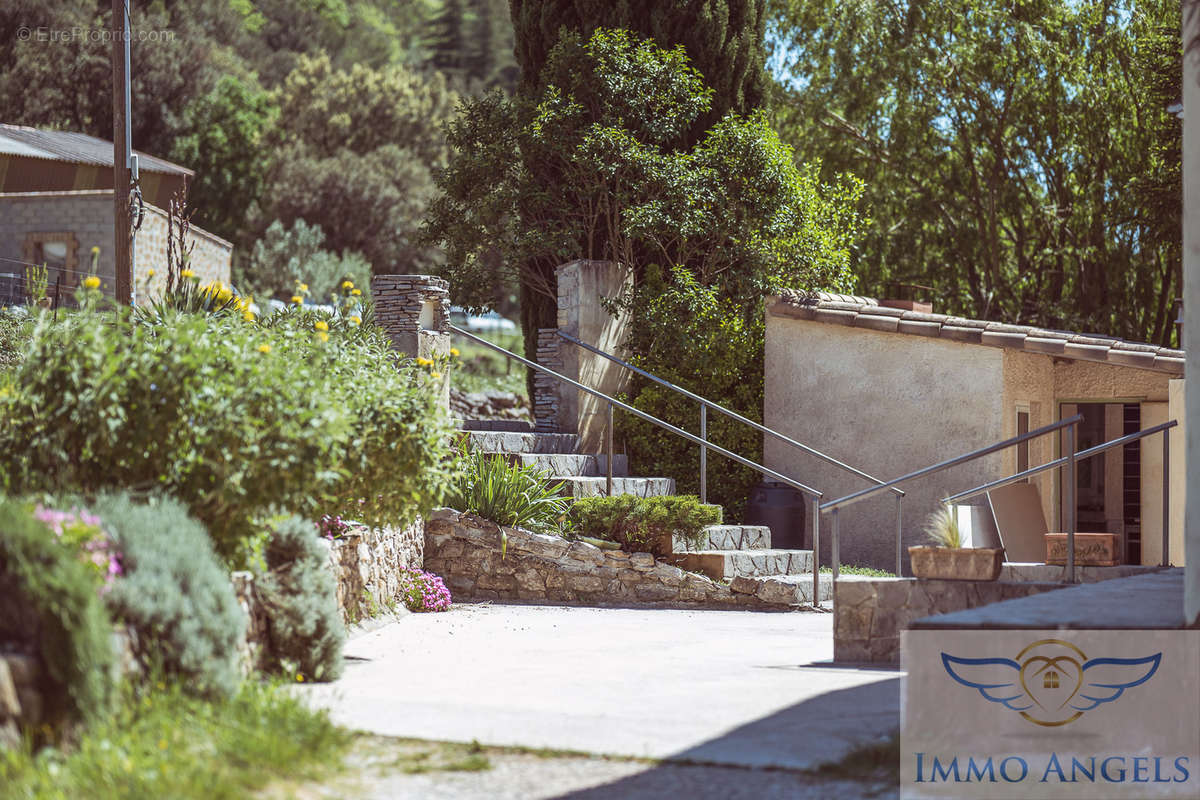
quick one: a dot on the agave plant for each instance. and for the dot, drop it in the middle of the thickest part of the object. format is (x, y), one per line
(508, 494)
(942, 528)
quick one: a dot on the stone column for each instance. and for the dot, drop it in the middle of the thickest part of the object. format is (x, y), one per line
(414, 311)
(1191, 296)
(583, 286)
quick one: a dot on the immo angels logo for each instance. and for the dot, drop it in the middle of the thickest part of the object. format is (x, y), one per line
(1051, 682)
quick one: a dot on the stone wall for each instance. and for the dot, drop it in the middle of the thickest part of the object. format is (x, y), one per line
(869, 613)
(20, 697)
(414, 311)
(545, 388)
(480, 560)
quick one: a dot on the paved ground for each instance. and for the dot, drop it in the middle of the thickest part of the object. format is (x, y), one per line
(729, 688)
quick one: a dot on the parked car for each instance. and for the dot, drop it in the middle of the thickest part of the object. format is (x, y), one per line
(487, 322)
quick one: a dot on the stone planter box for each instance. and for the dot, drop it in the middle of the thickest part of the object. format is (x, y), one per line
(1091, 549)
(957, 564)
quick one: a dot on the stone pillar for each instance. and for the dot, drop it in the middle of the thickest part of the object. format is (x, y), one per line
(583, 286)
(546, 388)
(1191, 296)
(414, 311)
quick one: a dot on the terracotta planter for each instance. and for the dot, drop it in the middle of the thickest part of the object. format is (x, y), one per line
(957, 564)
(1091, 549)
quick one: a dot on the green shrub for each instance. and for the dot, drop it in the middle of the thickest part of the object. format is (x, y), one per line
(228, 416)
(15, 332)
(50, 598)
(175, 594)
(304, 626)
(508, 494)
(644, 524)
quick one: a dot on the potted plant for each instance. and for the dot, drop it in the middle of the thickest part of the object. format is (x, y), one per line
(948, 558)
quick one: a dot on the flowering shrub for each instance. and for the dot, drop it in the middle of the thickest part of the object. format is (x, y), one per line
(423, 591)
(82, 532)
(332, 526)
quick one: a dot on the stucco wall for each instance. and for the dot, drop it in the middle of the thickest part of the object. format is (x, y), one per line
(582, 285)
(884, 403)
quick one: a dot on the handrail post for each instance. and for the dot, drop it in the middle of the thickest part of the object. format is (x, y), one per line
(1166, 500)
(608, 445)
(899, 536)
(1069, 504)
(833, 546)
(816, 551)
(704, 453)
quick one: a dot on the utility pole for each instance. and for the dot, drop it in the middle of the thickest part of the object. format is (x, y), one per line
(122, 230)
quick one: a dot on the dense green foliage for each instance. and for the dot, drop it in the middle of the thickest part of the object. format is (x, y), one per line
(51, 601)
(175, 594)
(644, 524)
(304, 626)
(1018, 158)
(286, 257)
(167, 743)
(230, 417)
(508, 493)
(15, 332)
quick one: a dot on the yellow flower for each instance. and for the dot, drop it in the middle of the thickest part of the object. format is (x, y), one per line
(454, 352)
(149, 273)
(321, 325)
(95, 250)
(162, 744)
(323, 336)
(355, 319)
(435, 374)
(356, 292)
(248, 316)
(264, 348)
(187, 273)
(299, 677)
(224, 295)
(303, 288)
(423, 362)
(297, 299)
(91, 282)
(347, 284)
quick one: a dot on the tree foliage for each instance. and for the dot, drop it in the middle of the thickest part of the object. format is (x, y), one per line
(1018, 158)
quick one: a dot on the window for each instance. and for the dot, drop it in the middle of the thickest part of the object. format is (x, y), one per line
(1050, 681)
(60, 253)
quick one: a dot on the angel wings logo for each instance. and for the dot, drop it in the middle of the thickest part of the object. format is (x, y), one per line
(1051, 682)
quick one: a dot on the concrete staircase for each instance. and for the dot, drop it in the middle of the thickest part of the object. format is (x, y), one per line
(739, 554)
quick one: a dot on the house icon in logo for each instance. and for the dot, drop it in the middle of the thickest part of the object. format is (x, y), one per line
(1051, 682)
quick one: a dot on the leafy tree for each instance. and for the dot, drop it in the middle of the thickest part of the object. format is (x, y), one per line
(353, 153)
(1019, 158)
(587, 168)
(283, 257)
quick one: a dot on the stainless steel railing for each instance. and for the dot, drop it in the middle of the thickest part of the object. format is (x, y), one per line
(1070, 423)
(1091, 452)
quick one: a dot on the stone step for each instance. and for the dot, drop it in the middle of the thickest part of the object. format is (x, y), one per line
(506, 425)
(726, 564)
(512, 442)
(729, 537)
(586, 486)
(575, 464)
(795, 589)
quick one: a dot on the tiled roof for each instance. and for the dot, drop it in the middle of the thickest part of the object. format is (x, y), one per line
(866, 312)
(78, 148)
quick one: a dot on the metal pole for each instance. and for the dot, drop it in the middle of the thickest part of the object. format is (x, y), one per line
(899, 536)
(704, 453)
(834, 545)
(816, 550)
(122, 233)
(1069, 504)
(608, 468)
(1166, 510)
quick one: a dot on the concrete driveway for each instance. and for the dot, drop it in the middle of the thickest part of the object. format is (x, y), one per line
(720, 687)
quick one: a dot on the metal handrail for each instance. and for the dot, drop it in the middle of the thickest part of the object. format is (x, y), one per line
(808, 491)
(835, 506)
(706, 403)
(1090, 452)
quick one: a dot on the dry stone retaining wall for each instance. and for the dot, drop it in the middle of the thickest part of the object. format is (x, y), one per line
(481, 560)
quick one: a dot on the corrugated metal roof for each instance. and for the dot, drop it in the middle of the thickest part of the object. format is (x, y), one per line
(78, 148)
(865, 312)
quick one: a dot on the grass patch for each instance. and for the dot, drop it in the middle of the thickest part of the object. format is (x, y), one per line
(164, 743)
(484, 370)
(855, 569)
(878, 761)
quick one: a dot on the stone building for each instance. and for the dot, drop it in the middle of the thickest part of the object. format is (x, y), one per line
(56, 204)
(890, 390)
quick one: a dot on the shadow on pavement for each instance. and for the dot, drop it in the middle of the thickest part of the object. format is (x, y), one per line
(776, 756)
